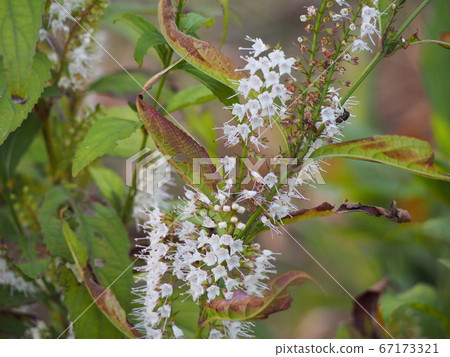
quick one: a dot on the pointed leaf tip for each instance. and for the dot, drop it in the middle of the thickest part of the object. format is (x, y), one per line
(198, 53)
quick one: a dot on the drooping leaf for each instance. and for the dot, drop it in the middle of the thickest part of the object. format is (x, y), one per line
(366, 309)
(244, 307)
(19, 25)
(15, 146)
(144, 43)
(224, 93)
(198, 53)
(48, 214)
(403, 152)
(101, 295)
(110, 184)
(88, 320)
(11, 113)
(101, 138)
(181, 150)
(188, 97)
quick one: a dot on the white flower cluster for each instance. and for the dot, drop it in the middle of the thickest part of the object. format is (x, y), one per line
(205, 262)
(266, 96)
(13, 280)
(158, 198)
(81, 58)
(60, 12)
(332, 114)
(369, 16)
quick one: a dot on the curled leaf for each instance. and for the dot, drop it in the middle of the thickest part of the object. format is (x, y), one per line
(244, 307)
(198, 53)
(368, 303)
(185, 155)
(394, 214)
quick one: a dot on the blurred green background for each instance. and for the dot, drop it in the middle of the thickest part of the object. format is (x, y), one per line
(406, 95)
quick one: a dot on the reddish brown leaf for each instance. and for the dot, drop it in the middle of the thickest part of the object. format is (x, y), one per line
(244, 307)
(198, 53)
(394, 214)
(180, 149)
(367, 303)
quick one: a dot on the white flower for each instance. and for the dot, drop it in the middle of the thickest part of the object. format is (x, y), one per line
(271, 78)
(213, 291)
(270, 179)
(369, 17)
(327, 115)
(303, 18)
(177, 332)
(258, 46)
(359, 45)
(210, 259)
(219, 272)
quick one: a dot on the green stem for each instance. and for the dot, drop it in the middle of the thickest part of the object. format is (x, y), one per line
(410, 19)
(10, 204)
(363, 76)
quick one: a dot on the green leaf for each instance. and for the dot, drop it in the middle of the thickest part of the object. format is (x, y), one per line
(445, 262)
(406, 153)
(89, 321)
(144, 43)
(188, 97)
(192, 21)
(108, 244)
(48, 214)
(101, 138)
(19, 27)
(243, 307)
(417, 320)
(110, 184)
(198, 53)
(16, 145)
(29, 254)
(142, 26)
(119, 84)
(102, 294)
(420, 293)
(224, 93)
(12, 114)
(180, 149)
(137, 23)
